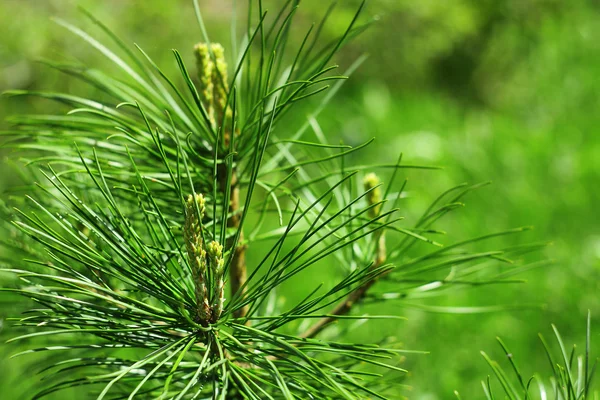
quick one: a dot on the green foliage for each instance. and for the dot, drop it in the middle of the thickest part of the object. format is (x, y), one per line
(571, 374)
(103, 233)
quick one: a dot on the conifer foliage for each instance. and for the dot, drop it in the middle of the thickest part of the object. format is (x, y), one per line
(131, 240)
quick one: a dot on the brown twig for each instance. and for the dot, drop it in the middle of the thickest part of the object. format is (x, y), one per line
(237, 269)
(354, 297)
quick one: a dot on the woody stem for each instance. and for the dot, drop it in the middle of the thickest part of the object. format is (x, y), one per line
(237, 268)
(354, 297)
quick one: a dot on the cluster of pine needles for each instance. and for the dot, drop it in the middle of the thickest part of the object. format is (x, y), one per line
(132, 235)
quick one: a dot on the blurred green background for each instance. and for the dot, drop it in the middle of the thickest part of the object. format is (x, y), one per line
(500, 90)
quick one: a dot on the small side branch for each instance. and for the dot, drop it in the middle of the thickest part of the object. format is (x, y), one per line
(371, 183)
(356, 296)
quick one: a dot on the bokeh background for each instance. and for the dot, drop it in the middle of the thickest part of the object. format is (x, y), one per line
(500, 90)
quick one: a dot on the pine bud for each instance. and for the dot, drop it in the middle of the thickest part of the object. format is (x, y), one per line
(205, 70)
(192, 232)
(215, 249)
(212, 71)
(220, 85)
(371, 182)
(217, 263)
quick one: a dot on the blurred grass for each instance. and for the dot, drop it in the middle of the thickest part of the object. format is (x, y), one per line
(493, 90)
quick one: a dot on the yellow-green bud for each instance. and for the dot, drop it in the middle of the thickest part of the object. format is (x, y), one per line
(217, 263)
(212, 70)
(371, 182)
(220, 264)
(205, 70)
(192, 233)
(220, 82)
(215, 249)
(191, 202)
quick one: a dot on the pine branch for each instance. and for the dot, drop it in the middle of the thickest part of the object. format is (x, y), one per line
(371, 182)
(344, 307)
(212, 71)
(103, 231)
